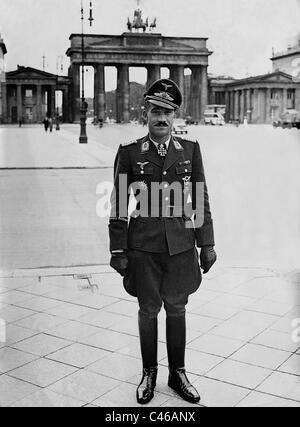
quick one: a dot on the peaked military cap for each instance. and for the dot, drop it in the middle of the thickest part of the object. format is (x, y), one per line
(164, 93)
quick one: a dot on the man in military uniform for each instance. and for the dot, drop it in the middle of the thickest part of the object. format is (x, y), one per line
(156, 253)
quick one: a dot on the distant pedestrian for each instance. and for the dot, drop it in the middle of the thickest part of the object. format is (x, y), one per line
(46, 124)
(50, 124)
(20, 121)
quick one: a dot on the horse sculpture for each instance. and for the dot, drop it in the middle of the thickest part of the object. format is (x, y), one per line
(138, 22)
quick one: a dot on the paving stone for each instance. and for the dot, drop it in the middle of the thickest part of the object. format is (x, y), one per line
(278, 340)
(13, 314)
(39, 304)
(134, 350)
(292, 365)
(47, 399)
(101, 318)
(262, 400)
(18, 282)
(73, 331)
(11, 359)
(258, 355)
(108, 340)
(41, 345)
(219, 394)
(42, 372)
(85, 385)
(282, 385)
(12, 390)
(271, 307)
(126, 308)
(235, 301)
(13, 297)
(127, 325)
(238, 373)
(117, 366)
(78, 355)
(245, 325)
(96, 301)
(125, 396)
(70, 311)
(16, 334)
(40, 322)
(217, 311)
(216, 345)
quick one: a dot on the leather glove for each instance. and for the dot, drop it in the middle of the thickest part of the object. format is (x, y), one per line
(119, 262)
(208, 257)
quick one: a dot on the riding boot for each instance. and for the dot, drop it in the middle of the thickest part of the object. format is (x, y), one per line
(148, 342)
(176, 342)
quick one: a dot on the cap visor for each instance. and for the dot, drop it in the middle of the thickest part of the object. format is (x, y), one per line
(161, 104)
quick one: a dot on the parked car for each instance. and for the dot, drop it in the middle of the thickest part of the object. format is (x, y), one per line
(289, 119)
(179, 126)
(213, 118)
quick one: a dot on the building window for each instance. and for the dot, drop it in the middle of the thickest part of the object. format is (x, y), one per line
(12, 91)
(291, 98)
(274, 94)
(28, 93)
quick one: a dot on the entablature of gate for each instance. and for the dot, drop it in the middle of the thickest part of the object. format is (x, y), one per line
(139, 50)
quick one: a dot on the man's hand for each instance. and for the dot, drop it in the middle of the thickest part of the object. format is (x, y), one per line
(207, 258)
(119, 262)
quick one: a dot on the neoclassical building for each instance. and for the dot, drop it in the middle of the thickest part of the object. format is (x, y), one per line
(29, 95)
(261, 99)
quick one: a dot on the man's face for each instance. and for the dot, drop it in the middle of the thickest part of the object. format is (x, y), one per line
(160, 121)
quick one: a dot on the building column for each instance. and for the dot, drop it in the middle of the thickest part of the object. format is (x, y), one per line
(39, 103)
(153, 74)
(248, 105)
(195, 98)
(242, 106)
(99, 91)
(119, 94)
(19, 102)
(177, 75)
(236, 105)
(268, 105)
(227, 103)
(256, 106)
(52, 101)
(125, 93)
(297, 99)
(75, 92)
(284, 99)
(65, 106)
(231, 112)
(204, 90)
(4, 103)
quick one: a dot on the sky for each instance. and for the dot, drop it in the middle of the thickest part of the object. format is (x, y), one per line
(241, 33)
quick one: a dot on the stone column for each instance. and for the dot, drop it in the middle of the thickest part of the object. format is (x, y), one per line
(236, 105)
(39, 103)
(242, 106)
(204, 90)
(195, 97)
(4, 103)
(75, 75)
(153, 72)
(268, 118)
(227, 102)
(231, 112)
(125, 94)
(19, 102)
(65, 106)
(99, 94)
(119, 94)
(248, 105)
(297, 99)
(52, 101)
(177, 75)
(284, 99)
(256, 106)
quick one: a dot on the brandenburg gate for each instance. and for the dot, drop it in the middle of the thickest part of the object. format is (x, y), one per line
(134, 49)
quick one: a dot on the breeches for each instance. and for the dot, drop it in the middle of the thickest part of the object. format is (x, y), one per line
(158, 279)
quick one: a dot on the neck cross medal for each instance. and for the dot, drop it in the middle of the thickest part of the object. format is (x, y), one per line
(162, 150)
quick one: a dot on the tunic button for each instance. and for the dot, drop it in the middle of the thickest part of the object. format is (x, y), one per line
(164, 173)
(185, 170)
(142, 172)
(166, 199)
(166, 185)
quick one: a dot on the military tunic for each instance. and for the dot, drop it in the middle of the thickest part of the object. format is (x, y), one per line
(163, 229)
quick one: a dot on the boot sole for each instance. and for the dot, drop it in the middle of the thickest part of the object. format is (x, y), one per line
(183, 396)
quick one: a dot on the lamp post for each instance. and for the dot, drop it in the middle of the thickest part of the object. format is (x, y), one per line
(84, 106)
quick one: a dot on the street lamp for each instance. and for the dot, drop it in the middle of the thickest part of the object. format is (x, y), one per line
(84, 106)
(58, 59)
